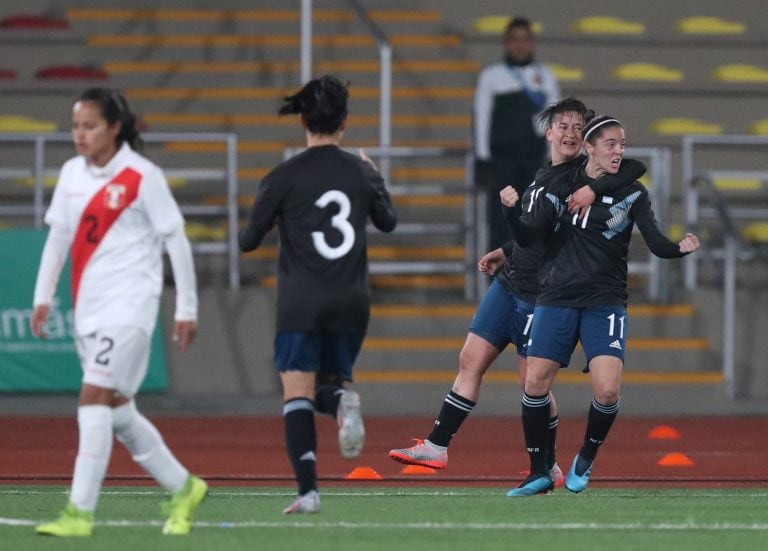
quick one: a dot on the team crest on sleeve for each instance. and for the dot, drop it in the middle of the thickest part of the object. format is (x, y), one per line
(115, 196)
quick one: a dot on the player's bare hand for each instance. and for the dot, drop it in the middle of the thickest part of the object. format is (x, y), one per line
(364, 156)
(509, 196)
(490, 262)
(39, 319)
(184, 332)
(580, 200)
(689, 243)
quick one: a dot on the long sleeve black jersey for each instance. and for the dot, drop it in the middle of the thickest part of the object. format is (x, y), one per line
(321, 200)
(527, 254)
(587, 264)
(520, 273)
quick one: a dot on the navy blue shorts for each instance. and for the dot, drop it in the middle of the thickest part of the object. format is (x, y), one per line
(322, 353)
(555, 331)
(502, 318)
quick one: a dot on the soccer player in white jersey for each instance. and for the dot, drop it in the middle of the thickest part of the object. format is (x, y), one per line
(113, 210)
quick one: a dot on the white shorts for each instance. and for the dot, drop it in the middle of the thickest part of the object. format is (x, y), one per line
(116, 358)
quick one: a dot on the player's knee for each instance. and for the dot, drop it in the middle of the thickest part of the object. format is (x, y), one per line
(607, 396)
(123, 418)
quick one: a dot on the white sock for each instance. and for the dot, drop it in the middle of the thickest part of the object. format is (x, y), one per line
(94, 451)
(147, 447)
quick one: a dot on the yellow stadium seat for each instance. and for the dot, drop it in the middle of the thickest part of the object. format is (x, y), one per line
(677, 126)
(29, 181)
(204, 232)
(756, 233)
(13, 123)
(738, 184)
(496, 24)
(676, 232)
(603, 24)
(566, 74)
(738, 72)
(759, 127)
(647, 72)
(709, 25)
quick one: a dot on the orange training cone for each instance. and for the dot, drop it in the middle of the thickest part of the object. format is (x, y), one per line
(675, 459)
(664, 432)
(418, 469)
(363, 473)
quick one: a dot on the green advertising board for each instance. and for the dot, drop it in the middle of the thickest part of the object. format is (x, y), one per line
(29, 364)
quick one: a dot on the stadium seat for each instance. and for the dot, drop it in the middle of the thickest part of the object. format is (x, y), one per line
(709, 25)
(738, 184)
(32, 21)
(649, 72)
(13, 123)
(71, 72)
(738, 72)
(759, 127)
(756, 233)
(678, 126)
(197, 231)
(566, 74)
(603, 24)
(8, 74)
(496, 24)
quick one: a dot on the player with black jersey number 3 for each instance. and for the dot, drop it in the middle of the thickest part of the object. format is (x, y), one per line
(321, 201)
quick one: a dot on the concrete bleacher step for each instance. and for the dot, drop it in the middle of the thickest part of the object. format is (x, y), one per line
(421, 343)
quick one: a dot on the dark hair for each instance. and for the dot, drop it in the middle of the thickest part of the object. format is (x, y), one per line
(518, 22)
(115, 109)
(568, 105)
(322, 102)
(594, 127)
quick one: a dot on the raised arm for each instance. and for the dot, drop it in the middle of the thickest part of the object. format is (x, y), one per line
(659, 244)
(629, 171)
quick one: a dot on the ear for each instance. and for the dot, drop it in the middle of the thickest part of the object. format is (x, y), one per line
(114, 129)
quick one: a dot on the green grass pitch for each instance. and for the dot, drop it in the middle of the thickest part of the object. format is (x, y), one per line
(412, 518)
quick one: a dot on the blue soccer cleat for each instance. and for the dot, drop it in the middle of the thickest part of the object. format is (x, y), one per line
(535, 484)
(578, 482)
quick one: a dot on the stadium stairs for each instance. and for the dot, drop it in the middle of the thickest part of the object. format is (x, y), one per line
(225, 69)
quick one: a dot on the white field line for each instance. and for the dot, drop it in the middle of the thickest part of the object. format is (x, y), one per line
(511, 526)
(223, 492)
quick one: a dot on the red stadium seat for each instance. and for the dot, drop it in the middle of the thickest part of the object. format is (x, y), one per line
(7, 74)
(71, 72)
(32, 21)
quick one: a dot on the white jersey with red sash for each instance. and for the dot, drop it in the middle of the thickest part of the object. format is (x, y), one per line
(117, 216)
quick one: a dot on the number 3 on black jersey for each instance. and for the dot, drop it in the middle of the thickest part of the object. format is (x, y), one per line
(340, 221)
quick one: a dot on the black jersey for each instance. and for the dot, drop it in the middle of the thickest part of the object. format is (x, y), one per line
(520, 273)
(588, 264)
(528, 254)
(321, 200)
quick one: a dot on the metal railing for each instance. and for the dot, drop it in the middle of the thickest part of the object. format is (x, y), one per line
(38, 172)
(731, 245)
(693, 211)
(385, 70)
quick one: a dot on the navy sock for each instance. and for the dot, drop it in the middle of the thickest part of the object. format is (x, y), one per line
(551, 442)
(535, 418)
(452, 414)
(301, 441)
(599, 422)
(327, 399)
